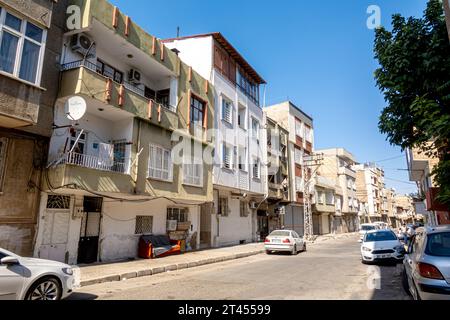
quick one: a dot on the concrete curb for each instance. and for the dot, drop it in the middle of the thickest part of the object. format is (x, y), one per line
(168, 268)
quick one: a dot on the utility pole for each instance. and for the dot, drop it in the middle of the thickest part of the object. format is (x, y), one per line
(309, 163)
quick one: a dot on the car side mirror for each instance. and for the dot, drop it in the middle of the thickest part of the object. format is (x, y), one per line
(9, 261)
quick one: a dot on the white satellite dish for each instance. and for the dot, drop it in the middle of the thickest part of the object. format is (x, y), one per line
(75, 108)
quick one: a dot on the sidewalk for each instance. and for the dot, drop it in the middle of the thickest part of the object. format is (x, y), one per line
(119, 271)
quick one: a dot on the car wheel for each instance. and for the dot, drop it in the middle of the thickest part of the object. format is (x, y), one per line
(268, 252)
(47, 288)
(405, 283)
(304, 247)
(415, 293)
(294, 250)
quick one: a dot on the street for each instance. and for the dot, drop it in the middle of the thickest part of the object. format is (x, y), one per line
(329, 270)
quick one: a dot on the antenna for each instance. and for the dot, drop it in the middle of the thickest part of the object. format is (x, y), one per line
(178, 32)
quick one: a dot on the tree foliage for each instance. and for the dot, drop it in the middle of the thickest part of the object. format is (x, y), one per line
(414, 76)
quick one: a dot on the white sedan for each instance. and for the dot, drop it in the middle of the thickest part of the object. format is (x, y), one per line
(382, 245)
(284, 241)
(33, 279)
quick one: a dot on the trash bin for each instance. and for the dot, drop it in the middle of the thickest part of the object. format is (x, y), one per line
(145, 250)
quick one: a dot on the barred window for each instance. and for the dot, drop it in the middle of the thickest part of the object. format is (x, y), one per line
(55, 201)
(244, 209)
(223, 206)
(144, 225)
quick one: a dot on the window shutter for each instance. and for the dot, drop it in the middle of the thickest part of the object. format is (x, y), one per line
(217, 58)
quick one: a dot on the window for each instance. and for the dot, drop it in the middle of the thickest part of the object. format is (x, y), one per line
(160, 163)
(241, 117)
(21, 48)
(320, 197)
(109, 71)
(80, 148)
(223, 207)
(177, 214)
(248, 87)
(308, 133)
(2, 255)
(299, 184)
(242, 158)
(193, 172)
(227, 157)
(197, 111)
(299, 128)
(255, 129)
(3, 153)
(163, 97)
(438, 245)
(144, 225)
(227, 111)
(298, 156)
(256, 169)
(244, 209)
(58, 202)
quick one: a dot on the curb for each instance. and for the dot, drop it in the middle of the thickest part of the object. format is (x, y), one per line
(168, 268)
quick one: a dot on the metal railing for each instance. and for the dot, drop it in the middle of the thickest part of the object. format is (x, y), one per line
(128, 85)
(96, 163)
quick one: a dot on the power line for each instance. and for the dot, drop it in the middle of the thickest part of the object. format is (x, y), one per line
(411, 183)
(389, 159)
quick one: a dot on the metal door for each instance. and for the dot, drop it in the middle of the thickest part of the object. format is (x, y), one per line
(55, 235)
(90, 231)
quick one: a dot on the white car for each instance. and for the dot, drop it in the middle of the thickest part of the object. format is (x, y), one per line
(33, 279)
(366, 228)
(382, 245)
(382, 225)
(284, 241)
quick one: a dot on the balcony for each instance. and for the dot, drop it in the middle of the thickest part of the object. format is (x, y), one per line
(81, 78)
(96, 163)
(347, 171)
(432, 203)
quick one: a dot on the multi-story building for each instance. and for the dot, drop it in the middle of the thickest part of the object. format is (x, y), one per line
(369, 187)
(420, 168)
(240, 170)
(30, 43)
(337, 166)
(277, 178)
(389, 207)
(300, 145)
(405, 209)
(120, 171)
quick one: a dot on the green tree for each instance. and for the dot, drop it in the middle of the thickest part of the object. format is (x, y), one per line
(414, 76)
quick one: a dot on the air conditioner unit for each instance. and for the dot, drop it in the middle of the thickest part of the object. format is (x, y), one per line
(134, 76)
(253, 205)
(84, 45)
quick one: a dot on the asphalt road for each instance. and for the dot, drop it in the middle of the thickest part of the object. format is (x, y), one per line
(331, 270)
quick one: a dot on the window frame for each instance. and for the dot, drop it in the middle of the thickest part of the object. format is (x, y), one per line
(22, 39)
(243, 209)
(102, 71)
(193, 162)
(256, 165)
(169, 171)
(193, 108)
(229, 103)
(223, 211)
(136, 225)
(225, 147)
(256, 132)
(180, 212)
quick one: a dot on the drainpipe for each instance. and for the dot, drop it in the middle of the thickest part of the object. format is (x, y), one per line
(137, 154)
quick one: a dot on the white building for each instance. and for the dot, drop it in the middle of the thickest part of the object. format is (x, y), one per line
(240, 171)
(301, 144)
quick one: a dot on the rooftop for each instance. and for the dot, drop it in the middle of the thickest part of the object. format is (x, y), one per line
(229, 48)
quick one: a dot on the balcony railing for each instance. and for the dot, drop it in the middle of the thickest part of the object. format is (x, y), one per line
(129, 86)
(96, 163)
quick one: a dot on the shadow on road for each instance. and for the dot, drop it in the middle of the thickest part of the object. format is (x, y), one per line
(387, 281)
(82, 296)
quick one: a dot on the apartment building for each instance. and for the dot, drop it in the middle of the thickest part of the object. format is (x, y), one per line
(29, 46)
(405, 209)
(389, 208)
(300, 146)
(272, 211)
(240, 171)
(369, 187)
(337, 166)
(420, 168)
(133, 164)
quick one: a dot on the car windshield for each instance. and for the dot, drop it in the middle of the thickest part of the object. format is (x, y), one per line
(380, 236)
(438, 245)
(367, 228)
(280, 234)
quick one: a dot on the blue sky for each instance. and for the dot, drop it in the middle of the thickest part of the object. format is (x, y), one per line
(316, 53)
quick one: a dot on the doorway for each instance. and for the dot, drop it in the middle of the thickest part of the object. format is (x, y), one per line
(263, 225)
(90, 230)
(206, 212)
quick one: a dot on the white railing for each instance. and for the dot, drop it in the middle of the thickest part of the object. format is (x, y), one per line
(93, 162)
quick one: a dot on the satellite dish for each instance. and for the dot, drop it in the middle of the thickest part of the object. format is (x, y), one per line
(75, 108)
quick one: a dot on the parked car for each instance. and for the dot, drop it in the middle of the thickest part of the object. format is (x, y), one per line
(284, 241)
(382, 225)
(33, 279)
(426, 274)
(366, 227)
(381, 245)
